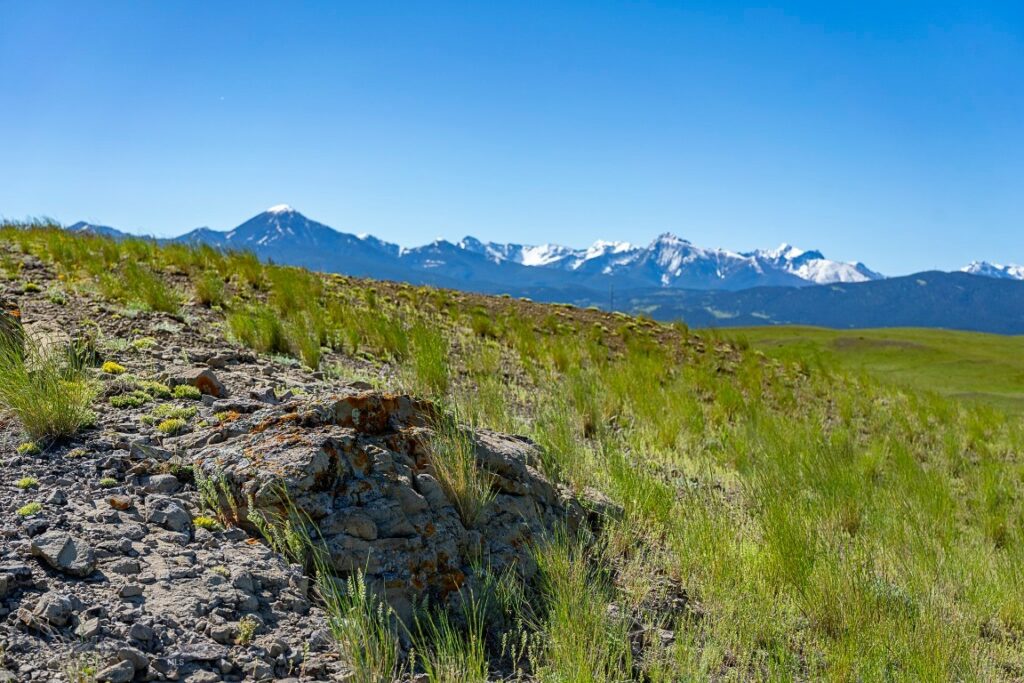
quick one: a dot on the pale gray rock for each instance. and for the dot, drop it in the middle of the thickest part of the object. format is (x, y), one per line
(88, 629)
(139, 659)
(168, 513)
(141, 450)
(54, 608)
(122, 672)
(64, 553)
(161, 483)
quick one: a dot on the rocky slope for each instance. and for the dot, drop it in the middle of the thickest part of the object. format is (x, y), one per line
(111, 574)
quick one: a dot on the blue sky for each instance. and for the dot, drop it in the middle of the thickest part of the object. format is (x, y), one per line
(889, 132)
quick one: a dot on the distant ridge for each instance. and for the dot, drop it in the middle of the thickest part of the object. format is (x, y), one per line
(959, 301)
(90, 229)
(286, 235)
(670, 278)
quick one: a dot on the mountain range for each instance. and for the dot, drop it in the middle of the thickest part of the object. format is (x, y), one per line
(668, 278)
(1007, 272)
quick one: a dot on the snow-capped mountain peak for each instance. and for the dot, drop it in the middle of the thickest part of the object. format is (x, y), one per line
(1009, 271)
(672, 261)
(604, 248)
(812, 266)
(783, 251)
(278, 224)
(669, 239)
(668, 260)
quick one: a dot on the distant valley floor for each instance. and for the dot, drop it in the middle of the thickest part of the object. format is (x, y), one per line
(984, 368)
(934, 299)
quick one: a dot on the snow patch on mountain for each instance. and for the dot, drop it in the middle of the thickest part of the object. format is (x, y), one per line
(812, 266)
(1009, 271)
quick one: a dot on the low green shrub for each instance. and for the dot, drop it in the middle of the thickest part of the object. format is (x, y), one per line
(172, 426)
(33, 508)
(133, 399)
(187, 391)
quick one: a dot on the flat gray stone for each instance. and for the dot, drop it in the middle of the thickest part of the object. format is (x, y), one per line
(65, 553)
(122, 672)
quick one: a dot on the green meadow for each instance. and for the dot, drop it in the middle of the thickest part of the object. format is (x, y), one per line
(985, 368)
(784, 504)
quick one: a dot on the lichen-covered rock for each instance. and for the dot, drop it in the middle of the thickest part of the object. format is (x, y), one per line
(360, 467)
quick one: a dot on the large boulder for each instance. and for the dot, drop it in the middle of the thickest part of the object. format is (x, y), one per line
(360, 467)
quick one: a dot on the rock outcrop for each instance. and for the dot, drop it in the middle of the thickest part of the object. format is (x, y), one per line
(359, 466)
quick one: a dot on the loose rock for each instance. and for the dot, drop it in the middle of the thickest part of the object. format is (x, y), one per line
(65, 553)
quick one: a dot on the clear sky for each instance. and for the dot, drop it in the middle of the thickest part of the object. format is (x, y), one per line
(889, 132)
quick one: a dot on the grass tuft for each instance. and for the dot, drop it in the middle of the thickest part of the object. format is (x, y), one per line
(209, 289)
(362, 626)
(453, 455)
(583, 639)
(429, 360)
(44, 391)
(205, 522)
(451, 651)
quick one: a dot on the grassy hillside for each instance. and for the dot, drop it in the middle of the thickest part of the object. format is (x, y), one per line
(985, 368)
(768, 519)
